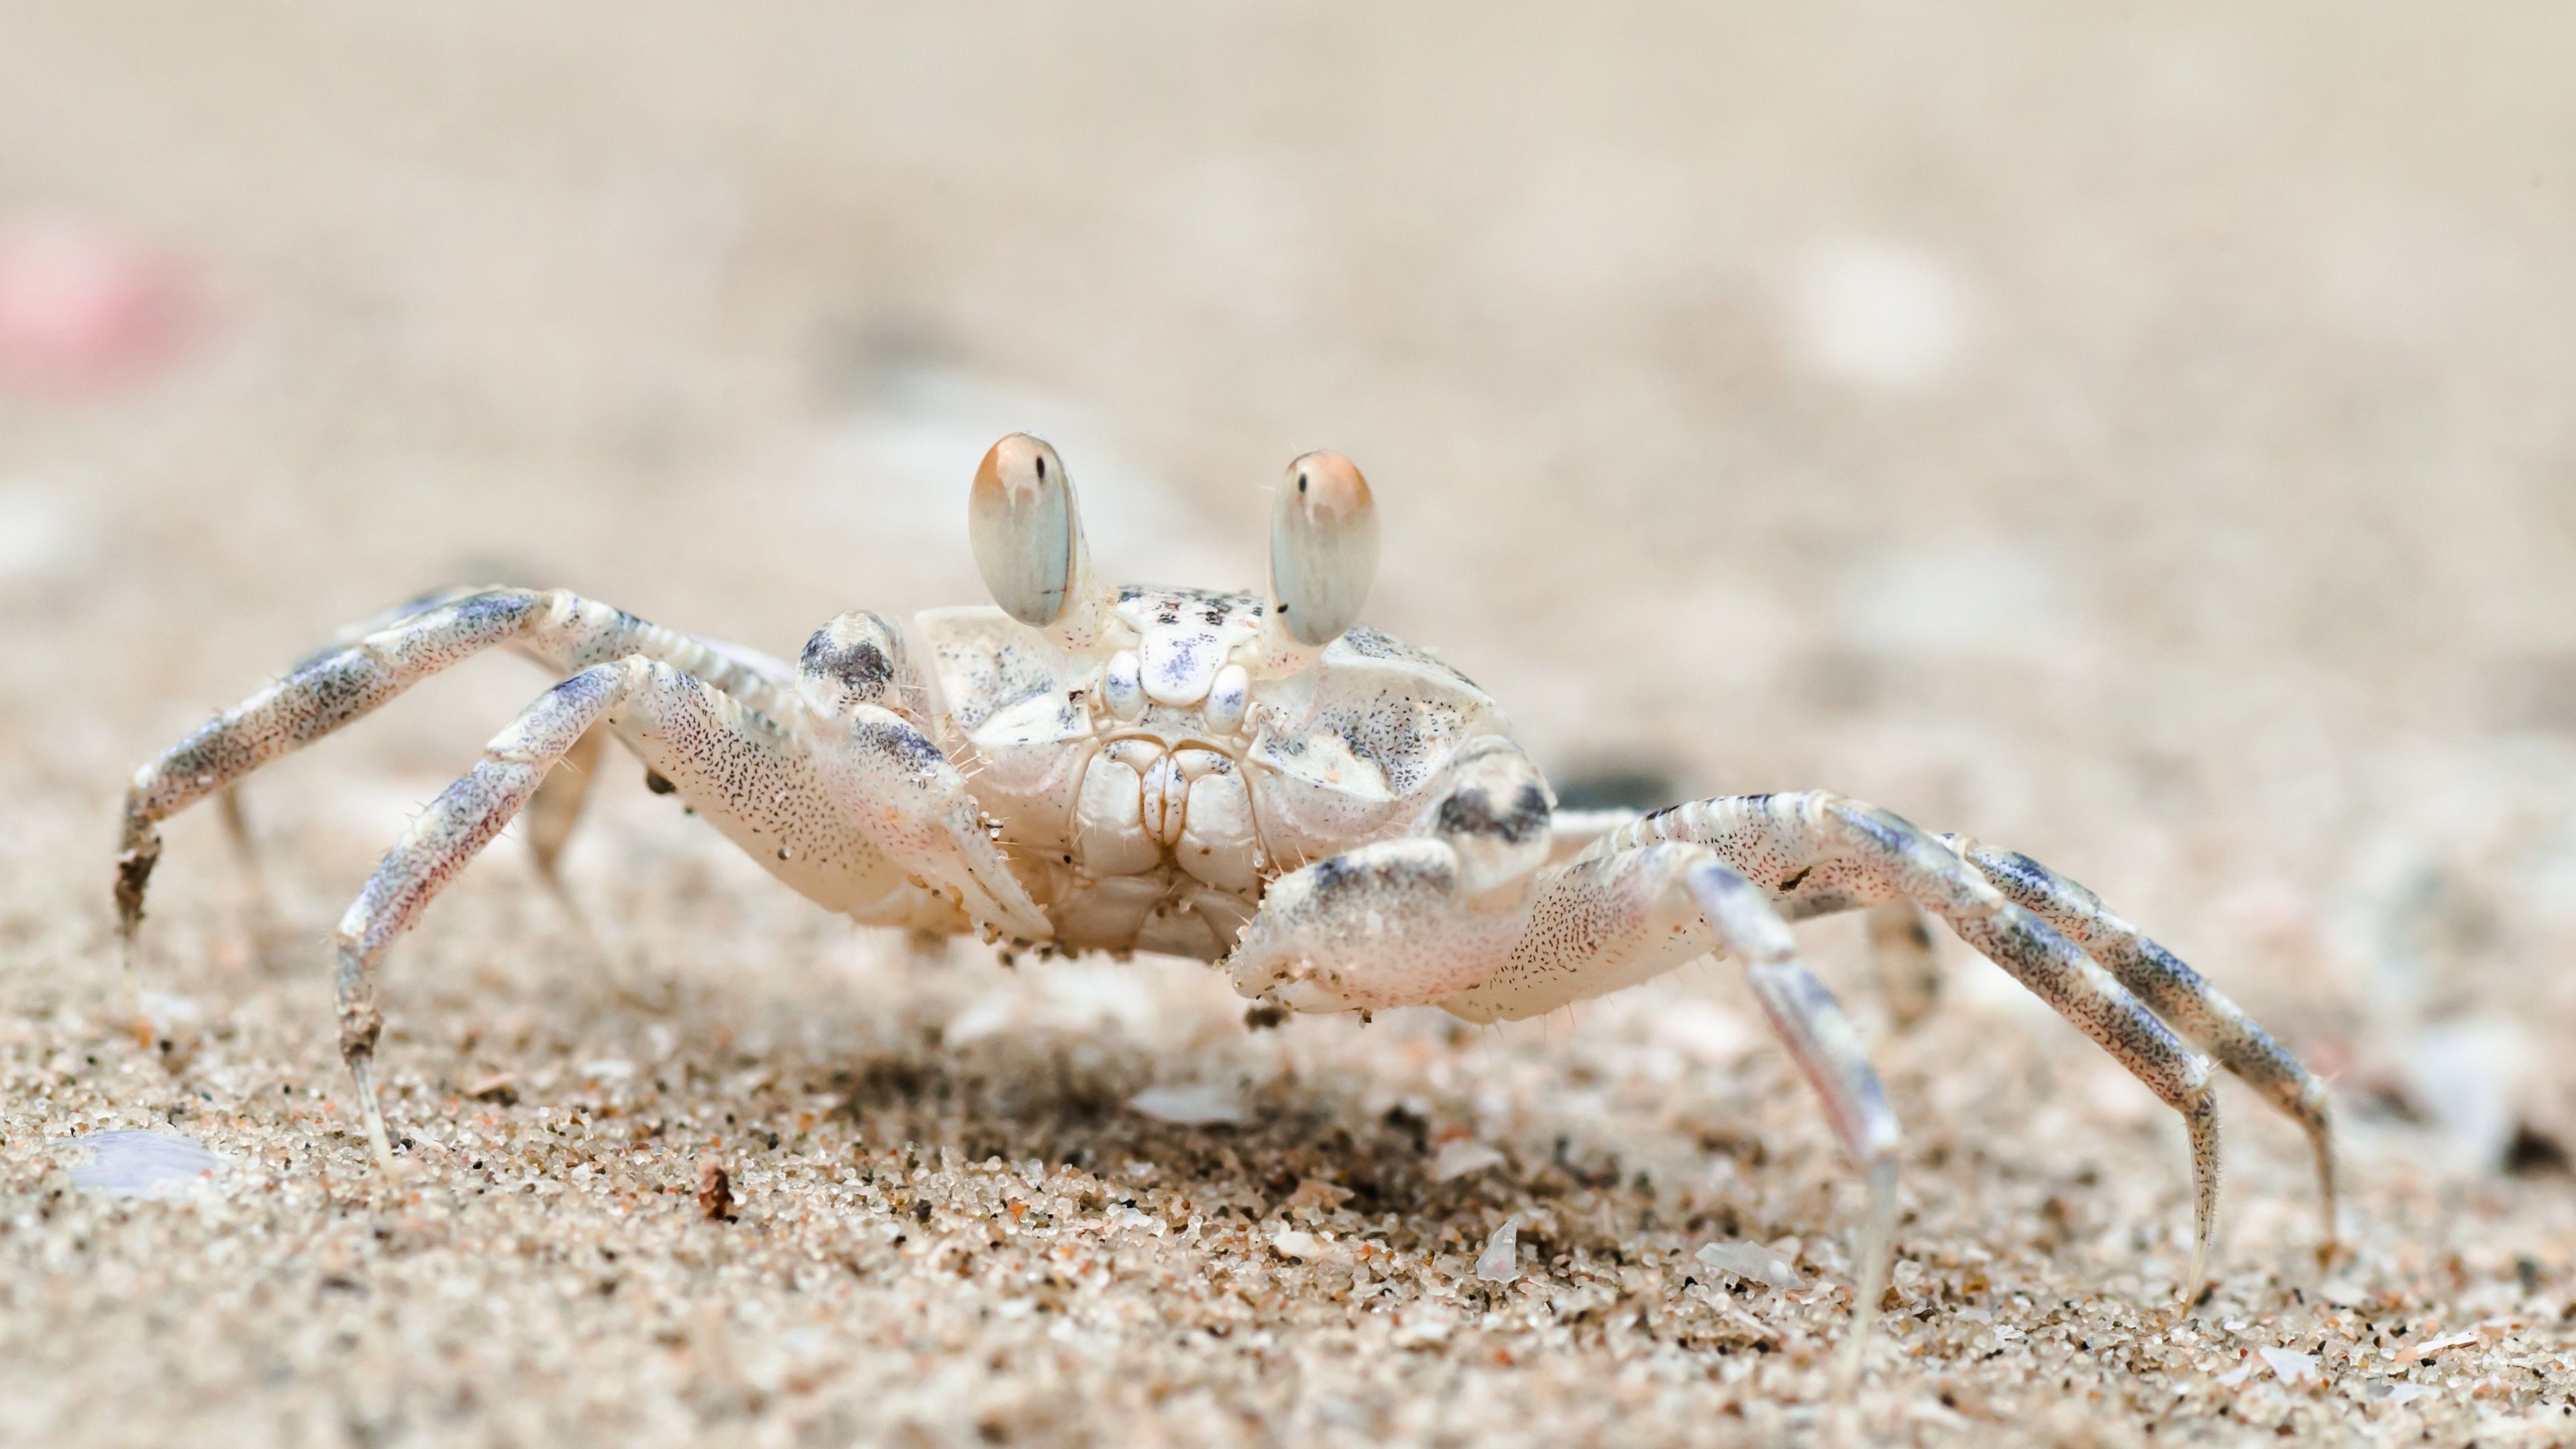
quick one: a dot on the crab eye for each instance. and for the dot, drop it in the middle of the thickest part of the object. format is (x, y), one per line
(1323, 548)
(1028, 539)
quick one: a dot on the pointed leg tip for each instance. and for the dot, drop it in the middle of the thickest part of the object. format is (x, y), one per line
(1847, 1375)
(2196, 1289)
(380, 1145)
(1877, 1260)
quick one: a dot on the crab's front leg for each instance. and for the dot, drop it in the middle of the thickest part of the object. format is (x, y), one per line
(1410, 920)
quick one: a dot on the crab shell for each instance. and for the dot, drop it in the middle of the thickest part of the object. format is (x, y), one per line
(1146, 788)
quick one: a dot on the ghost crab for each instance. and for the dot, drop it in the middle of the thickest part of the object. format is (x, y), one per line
(1344, 823)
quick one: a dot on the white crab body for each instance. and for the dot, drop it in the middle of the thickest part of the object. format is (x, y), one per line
(1146, 789)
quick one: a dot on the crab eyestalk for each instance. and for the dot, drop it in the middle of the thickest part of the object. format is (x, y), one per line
(1323, 557)
(1027, 533)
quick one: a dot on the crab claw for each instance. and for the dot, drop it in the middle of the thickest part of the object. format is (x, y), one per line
(1378, 926)
(918, 808)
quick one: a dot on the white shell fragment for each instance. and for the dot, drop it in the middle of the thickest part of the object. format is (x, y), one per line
(1323, 548)
(1198, 1104)
(2289, 1365)
(1754, 1262)
(1026, 532)
(1457, 1159)
(1299, 1244)
(1500, 1262)
(142, 1164)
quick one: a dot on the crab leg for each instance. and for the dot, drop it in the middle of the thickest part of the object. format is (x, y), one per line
(1901, 955)
(551, 814)
(1819, 852)
(388, 655)
(1606, 920)
(1818, 1035)
(556, 808)
(747, 776)
(2179, 994)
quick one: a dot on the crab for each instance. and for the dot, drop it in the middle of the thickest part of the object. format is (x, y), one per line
(1341, 822)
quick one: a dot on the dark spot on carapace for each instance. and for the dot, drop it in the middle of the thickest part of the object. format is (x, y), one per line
(1796, 878)
(654, 782)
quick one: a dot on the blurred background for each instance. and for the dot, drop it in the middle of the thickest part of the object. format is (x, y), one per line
(2141, 436)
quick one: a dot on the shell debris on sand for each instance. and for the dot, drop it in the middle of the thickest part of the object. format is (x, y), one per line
(1500, 1262)
(1755, 1262)
(2289, 1365)
(1203, 1104)
(136, 1163)
(1459, 1158)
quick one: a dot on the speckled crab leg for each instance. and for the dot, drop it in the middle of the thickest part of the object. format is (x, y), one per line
(747, 776)
(1819, 852)
(375, 662)
(2179, 994)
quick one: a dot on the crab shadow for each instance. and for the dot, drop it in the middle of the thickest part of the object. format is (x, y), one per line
(1064, 1100)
